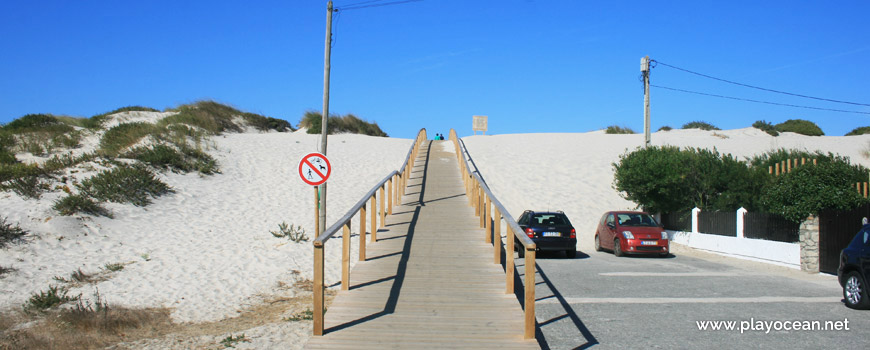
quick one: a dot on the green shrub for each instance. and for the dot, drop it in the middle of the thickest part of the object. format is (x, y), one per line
(125, 184)
(160, 156)
(73, 121)
(74, 204)
(66, 160)
(263, 123)
(7, 157)
(37, 122)
(614, 129)
(806, 190)
(766, 127)
(800, 126)
(700, 125)
(771, 158)
(125, 135)
(7, 139)
(306, 315)
(348, 123)
(184, 160)
(96, 122)
(230, 341)
(30, 186)
(296, 234)
(200, 161)
(665, 128)
(45, 300)
(9, 233)
(208, 115)
(859, 131)
(71, 139)
(668, 179)
(19, 170)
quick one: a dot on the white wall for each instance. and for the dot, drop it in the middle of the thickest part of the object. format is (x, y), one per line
(778, 253)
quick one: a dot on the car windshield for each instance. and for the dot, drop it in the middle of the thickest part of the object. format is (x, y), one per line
(549, 220)
(634, 219)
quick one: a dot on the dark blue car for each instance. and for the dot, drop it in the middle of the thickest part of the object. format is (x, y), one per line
(551, 231)
(854, 270)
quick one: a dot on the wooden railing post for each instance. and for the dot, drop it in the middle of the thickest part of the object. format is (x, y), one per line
(396, 189)
(509, 261)
(496, 237)
(530, 294)
(383, 207)
(345, 257)
(374, 218)
(399, 186)
(481, 204)
(487, 225)
(390, 196)
(316, 212)
(362, 233)
(318, 288)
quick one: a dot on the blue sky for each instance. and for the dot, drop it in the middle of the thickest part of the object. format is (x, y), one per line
(531, 66)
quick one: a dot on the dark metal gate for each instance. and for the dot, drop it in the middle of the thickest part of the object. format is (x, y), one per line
(723, 223)
(836, 230)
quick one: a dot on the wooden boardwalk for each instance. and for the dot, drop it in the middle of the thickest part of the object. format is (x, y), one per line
(429, 281)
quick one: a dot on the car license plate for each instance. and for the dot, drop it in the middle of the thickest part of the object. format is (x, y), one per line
(649, 242)
(552, 234)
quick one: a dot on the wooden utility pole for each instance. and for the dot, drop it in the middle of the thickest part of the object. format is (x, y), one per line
(644, 69)
(325, 116)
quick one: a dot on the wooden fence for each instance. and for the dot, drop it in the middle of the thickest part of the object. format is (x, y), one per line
(788, 165)
(394, 185)
(491, 213)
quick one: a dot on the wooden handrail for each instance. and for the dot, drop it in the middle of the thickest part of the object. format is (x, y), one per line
(393, 182)
(485, 203)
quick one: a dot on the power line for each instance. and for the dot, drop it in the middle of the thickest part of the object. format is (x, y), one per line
(761, 88)
(757, 101)
(361, 5)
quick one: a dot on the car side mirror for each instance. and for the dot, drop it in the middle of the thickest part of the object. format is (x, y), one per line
(611, 225)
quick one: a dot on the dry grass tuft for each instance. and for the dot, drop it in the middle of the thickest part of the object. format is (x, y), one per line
(80, 327)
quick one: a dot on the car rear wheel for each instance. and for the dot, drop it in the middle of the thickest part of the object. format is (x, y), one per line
(521, 251)
(855, 292)
(597, 244)
(617, 250)
(571, 253)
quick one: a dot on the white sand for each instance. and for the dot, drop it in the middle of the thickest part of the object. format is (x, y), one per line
(573, 172)
(205, 251)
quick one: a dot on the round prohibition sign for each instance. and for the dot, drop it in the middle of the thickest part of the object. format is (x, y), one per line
(314, 169)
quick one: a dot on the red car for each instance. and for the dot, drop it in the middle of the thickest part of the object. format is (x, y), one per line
(631, 232)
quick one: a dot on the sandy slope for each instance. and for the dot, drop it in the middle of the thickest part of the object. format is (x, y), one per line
(205, 250)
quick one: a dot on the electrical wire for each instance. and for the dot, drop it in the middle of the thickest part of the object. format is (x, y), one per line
(760, 88)
(362, 3)
(758, 101)
(361, 6)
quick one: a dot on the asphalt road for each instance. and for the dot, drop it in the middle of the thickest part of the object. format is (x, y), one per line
(600, 301)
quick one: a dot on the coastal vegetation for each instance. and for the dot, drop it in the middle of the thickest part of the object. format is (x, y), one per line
(671, 179)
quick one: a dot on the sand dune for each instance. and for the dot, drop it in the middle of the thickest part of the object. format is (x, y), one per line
(205, 251)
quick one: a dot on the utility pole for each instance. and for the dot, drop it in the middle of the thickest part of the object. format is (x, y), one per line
(644, 69)
(325, 116)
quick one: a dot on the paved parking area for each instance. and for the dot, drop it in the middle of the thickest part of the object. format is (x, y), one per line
(600, 301)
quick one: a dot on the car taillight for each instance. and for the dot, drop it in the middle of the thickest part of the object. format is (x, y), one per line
(530, 232)
(573, 233)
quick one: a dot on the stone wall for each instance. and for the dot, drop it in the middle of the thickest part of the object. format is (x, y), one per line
(809, 241)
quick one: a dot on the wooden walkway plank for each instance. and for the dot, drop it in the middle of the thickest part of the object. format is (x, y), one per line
(430, 280)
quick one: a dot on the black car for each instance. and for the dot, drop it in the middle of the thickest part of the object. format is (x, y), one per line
(854, 270)
(551, 231)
